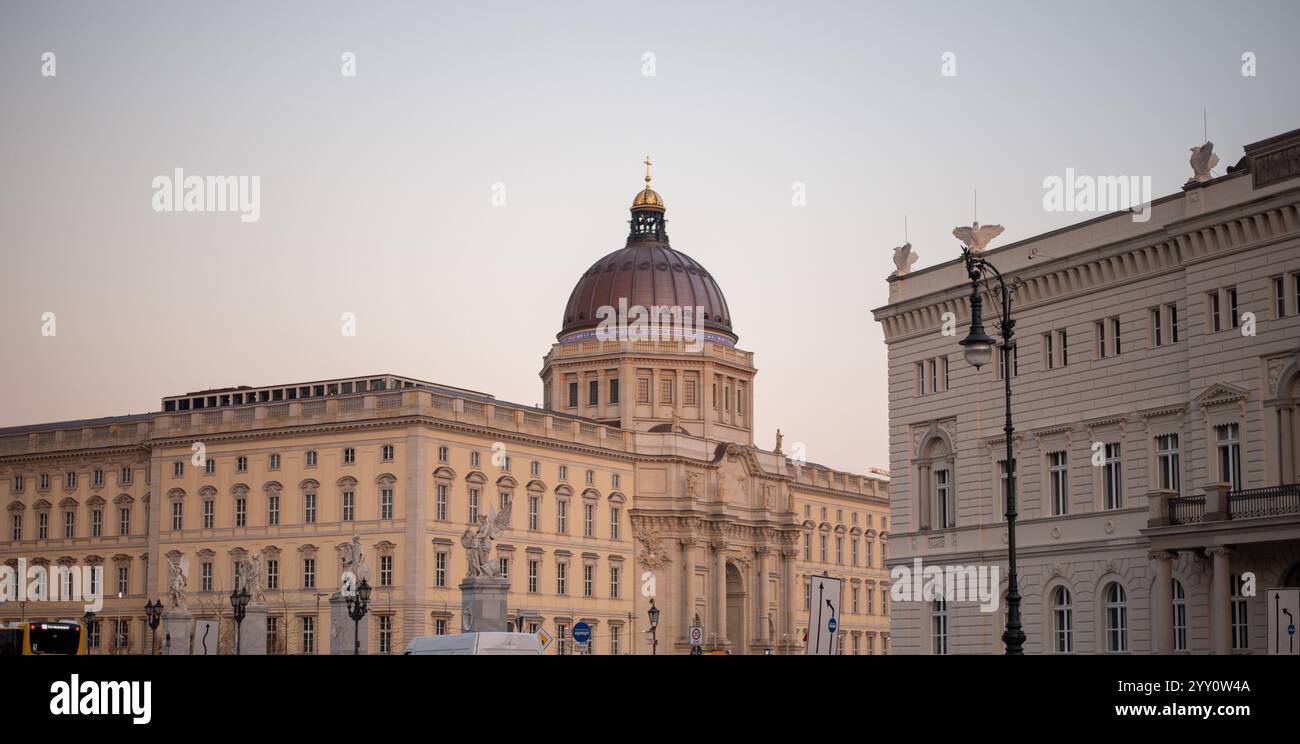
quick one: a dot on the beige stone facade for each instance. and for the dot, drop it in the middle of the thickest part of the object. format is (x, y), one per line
(1157, 432)
(662, 496)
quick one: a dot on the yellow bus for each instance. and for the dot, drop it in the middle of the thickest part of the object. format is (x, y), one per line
(61, 638)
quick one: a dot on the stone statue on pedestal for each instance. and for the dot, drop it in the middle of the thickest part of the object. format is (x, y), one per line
(176, 580)
(477, 541)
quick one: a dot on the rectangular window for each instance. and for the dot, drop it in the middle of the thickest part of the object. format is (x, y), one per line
(309, 508)
(1229, 448)
(385, 634)
(689, 394)
(534, 506)
(503, 567)
(614, 572)
(96, 523)
(1279, 297)
(535, 468)
(124, 521)
(613, 522)
(589, 520)
(1173, 324)
(588, 580)
(1049, 356)
(178, 469)
(241, 464)
(1216, 322)
(209, 514)
(934, 375)
(561, 516)
(385, 503)
(241, 511)
(210, 466)
(178, 515)
(440, 569)
(532, 576)
(1059, 481)
(1065, 348)
(1112, 478)
(593, 392)
(308, 634)
(561, 569)
(440, 502)
(272, 574)
(473, 459)
(614, 638)
(943, 498)
(274, 463)
(387, 453)
(205, 577)
(442, 454)
(573, 395)
(613, 390)
(311, 458)
(1167, 468)
(123, 478)
(839, 550)
(70, 525)
(349, 456)
(1240, 625)
(43, 526)
(666, 391)
(309, 573)
(385, 570)
(1114, 332)
(920, 378)
(642, 390)
(97, 478)
(349, 506)
(1232, 307)
(17, 522)
(123, 580)
(273, 509)
(1157, 328)
(473, 505)
(853, 550)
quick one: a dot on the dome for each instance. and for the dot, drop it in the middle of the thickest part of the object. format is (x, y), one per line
(648, 198)
(647, 272)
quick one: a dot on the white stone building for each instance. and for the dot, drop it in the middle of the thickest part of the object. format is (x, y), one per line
(1156, 379)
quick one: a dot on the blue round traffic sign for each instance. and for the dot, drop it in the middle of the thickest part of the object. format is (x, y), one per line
(832, 625)
(581, 633)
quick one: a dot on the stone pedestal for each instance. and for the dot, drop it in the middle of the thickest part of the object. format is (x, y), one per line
(252, 632)
(341, 627)
(483, 604)
(175, 639)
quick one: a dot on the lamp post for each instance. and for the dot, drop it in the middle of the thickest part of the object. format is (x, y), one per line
(358, 606)
(239, 602)
(88, 621)
(978, 347)
(153, 614)
(654, 628)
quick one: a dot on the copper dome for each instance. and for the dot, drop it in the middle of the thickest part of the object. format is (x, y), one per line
(646, 273)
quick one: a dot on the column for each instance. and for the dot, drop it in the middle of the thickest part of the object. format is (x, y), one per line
(688, 588)
(786, 627)
(720, 589)
(1220, 601)
(760, 592)
(1162, 621)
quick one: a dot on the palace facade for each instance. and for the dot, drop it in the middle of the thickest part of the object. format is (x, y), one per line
(638, 479)
(1156, 402)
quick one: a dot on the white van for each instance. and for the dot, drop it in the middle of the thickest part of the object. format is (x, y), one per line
(476, 644)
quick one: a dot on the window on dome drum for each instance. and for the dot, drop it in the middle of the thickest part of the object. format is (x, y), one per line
(688, 392)
(642, 390)
(613, 390)
(666, 391)
(593, 392)
(573, 395)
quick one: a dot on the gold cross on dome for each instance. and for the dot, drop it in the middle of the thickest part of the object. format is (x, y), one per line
(647, 170)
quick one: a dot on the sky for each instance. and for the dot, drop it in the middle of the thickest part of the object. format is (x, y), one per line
(452, 191)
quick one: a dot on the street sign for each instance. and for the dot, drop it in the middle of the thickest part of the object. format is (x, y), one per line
(823, 616)
(547, 639)
(1283, 619)
(581, 632)
(697, 635)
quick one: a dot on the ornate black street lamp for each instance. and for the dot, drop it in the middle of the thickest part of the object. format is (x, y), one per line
(239, 601)
(978, 351)
(358, 606)
(153, 613)
(654, 627)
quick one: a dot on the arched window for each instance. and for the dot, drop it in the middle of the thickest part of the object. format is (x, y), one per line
(1116, 618)
(1062, 621)
(939, 626)
(1180, 616)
